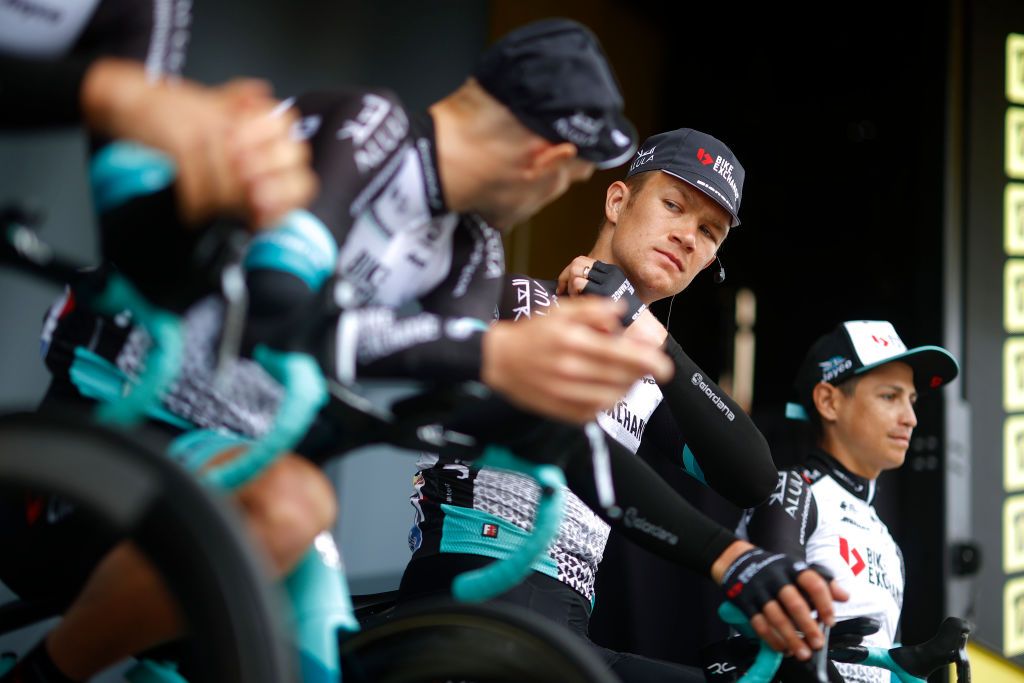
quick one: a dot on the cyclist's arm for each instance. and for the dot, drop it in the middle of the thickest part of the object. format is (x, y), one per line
(654, 515)
(722, 447)
(785, 521)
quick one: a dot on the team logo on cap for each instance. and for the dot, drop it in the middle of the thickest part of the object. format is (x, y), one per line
(833, 367)
(579, 129)
(643, 156)
(705, 158)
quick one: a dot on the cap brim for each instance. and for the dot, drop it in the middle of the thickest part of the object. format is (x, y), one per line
(716, 194)
(933, 366)
(610, 151)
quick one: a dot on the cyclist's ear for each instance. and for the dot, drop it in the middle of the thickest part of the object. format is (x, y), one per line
(827, 399)
(615, 200)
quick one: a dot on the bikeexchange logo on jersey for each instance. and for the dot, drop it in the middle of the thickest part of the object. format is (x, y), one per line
(698, 381)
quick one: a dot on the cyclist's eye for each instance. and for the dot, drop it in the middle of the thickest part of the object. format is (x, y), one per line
(671, 205)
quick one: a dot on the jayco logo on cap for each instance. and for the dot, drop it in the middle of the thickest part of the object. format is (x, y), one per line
(833, 367)
(874, 340)
(643, 156)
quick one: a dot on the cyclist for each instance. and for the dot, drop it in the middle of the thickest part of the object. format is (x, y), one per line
(663, 224)
(405, 209)
(114, 66)
(857, 386)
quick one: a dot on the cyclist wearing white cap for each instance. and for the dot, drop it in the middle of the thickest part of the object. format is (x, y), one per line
(857, 386)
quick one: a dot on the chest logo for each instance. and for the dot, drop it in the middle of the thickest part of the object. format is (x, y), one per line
(857, 564)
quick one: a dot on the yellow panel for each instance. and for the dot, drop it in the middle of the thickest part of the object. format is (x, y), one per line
(1013, 295)
(1013, 618)
(1015, 142)
(1015, 68)
(1013, 219)
(988, 667)
(1013, 453)
(1013, 543)
(1013, 375)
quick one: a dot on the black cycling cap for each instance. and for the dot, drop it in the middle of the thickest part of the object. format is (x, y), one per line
(555, 78)
(859, 346)
(698, 159)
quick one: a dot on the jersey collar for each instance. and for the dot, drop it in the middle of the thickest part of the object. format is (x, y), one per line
(421, 126)
(819, 462)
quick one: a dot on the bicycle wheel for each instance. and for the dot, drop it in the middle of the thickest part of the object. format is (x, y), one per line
(479, 643)
(133, 492)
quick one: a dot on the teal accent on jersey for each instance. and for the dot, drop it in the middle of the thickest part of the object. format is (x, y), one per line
(97, 378)
(302, 246)
(124, 170)
(194, 449)
(692, 467)
(463, 532)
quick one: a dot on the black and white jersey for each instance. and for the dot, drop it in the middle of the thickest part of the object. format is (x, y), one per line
(824, 513)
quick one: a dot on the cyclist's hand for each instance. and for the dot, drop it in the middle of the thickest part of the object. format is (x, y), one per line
(568, 365)
(573, 277)
(778, 593)
(232, 157)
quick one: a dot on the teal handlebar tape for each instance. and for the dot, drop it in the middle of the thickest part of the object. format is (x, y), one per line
(768, 660)
(305, 393)
(500, 576)
(162, 362)
(879, 656)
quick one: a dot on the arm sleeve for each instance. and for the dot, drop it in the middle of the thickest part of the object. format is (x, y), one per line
(785, 521)
(653, 515)
(721, 440)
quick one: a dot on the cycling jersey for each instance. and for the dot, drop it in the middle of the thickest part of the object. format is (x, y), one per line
(46, 47)
(463, 509)
(379, 226)
(824, 513)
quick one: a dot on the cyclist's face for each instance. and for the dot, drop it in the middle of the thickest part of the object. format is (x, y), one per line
(540, 189)
(874, 424)
(665, 233)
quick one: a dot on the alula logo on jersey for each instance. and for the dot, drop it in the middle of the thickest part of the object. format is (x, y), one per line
(833, 367)
(698, 381)
(787, 493)
(375, 132)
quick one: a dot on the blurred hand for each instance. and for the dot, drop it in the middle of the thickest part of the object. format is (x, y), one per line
(234, 156)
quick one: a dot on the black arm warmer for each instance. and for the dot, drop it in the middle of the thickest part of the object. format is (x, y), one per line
(785, 521)
(732, 453)
(654, 515)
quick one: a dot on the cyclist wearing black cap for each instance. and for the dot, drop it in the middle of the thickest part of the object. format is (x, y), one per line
(405, 216)
(857, 386)
(663, 225)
